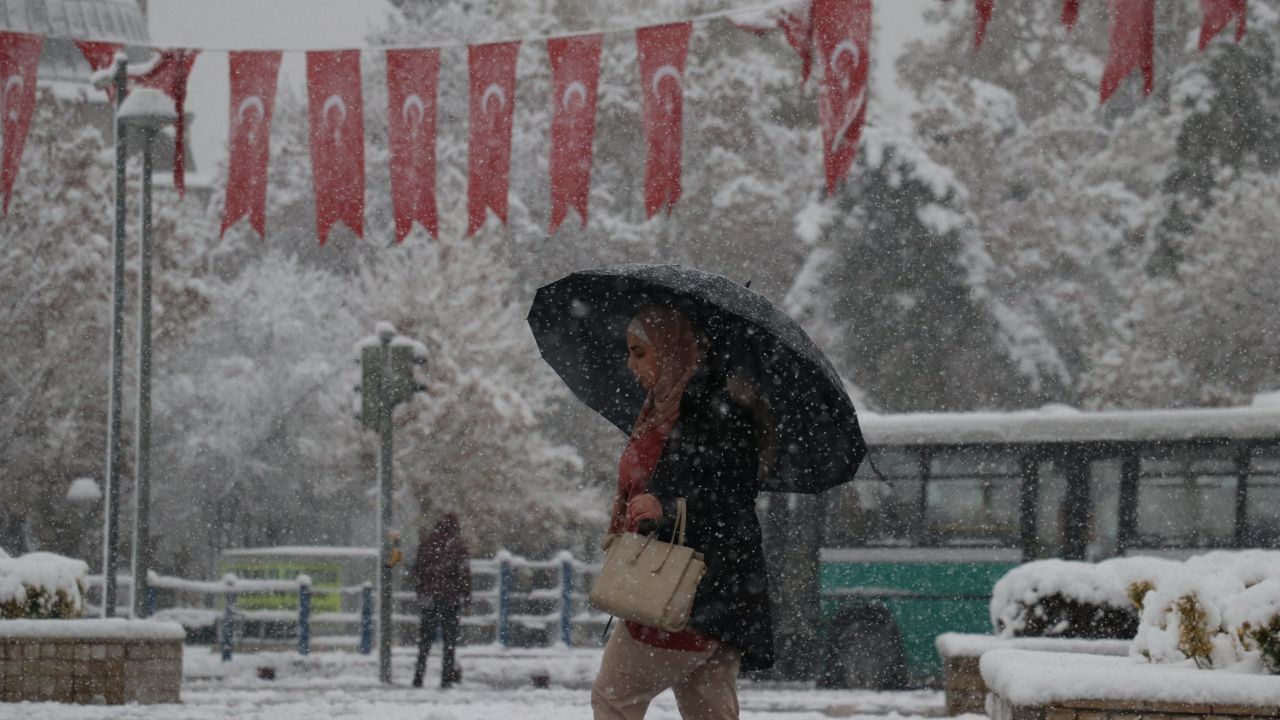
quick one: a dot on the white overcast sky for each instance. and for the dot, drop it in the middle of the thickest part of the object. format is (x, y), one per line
(323, 24)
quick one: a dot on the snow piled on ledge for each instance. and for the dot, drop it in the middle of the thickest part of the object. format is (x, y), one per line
(1029, 677)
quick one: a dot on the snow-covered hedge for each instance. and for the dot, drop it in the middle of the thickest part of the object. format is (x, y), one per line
(41, 585)
(1067, 599)
(1218, 610)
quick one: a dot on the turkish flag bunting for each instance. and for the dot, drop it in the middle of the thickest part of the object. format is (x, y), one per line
(1070, 13)
(19, 58)
(412, 79)
(797, 27)
(1218, 14)
(982, 15)
(493, 90)
(662, 51)
(253, 95)
(842, 33)
(100, 55)
(335, 113)
(169, 75)
(575, 70)
(1131, 27)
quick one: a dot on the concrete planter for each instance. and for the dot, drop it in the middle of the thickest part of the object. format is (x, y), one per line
(90, 661)
(1027, 685)
(965, 690)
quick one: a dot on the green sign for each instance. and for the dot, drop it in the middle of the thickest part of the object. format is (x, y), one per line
(324, 576)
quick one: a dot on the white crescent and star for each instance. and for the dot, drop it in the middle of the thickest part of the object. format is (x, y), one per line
(331, 103)
(413, 104)
(494, 90)
(846, 47)
(666, 71)
(253, 102)
(10, 111)
(572, 90)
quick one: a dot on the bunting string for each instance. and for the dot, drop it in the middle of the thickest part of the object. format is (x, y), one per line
(831, 35)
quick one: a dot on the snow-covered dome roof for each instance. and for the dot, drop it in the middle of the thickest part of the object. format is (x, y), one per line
(61, 64)
(116, 20)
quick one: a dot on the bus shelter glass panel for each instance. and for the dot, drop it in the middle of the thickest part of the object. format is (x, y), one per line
(1104, 508)
(1050, 504)
(1263, 508)
(1186, 498)
(973, 496)
(870, 511)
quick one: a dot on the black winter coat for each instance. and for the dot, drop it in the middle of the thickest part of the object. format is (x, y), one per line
(711, 459)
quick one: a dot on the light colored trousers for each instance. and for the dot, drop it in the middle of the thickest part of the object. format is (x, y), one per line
(632, 674)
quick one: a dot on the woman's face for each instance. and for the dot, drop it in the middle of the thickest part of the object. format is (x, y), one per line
(642, 361)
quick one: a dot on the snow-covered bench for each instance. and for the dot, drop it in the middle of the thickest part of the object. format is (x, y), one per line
(1036, 685)
(90, 661)
(965, 690)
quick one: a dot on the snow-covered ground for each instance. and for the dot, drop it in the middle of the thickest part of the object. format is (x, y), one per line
(496, 684)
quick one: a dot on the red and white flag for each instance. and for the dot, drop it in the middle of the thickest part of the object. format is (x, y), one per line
(253, 95)
(412, 80)
(793, 20)
(575, 71)
(19, 58)
(169, 74)
(1132, 29)
(662, 51)
(493, 94)
(1070, 13)
(100, 55)
(842, 35)
(981, 16)
(1218, 14)
(335, 112)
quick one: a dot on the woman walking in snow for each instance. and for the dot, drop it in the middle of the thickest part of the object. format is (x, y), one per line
(442, 574)
(692, 441)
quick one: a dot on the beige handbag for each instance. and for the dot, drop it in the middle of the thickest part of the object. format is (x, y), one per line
(648, 581)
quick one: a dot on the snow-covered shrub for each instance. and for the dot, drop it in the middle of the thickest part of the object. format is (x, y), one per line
(1253, 617)
(1061, 598)
(41, 585)
(1182, 619)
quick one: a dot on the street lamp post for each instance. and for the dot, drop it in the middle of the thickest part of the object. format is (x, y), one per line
(111, 514)
(149, 110)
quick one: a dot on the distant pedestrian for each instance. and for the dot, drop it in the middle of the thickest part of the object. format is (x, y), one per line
(442, 575)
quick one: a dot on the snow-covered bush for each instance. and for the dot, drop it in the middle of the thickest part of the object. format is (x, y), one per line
(1217, 610)
(1254, 618)
(41, 585)
(1061, 598)
(1182, 619)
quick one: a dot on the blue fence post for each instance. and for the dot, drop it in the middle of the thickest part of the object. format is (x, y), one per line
(366, 618)
(566, 598)
(304, 615)
(228, 617)
(504, 599)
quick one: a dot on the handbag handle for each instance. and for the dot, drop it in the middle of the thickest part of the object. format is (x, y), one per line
(682, 516)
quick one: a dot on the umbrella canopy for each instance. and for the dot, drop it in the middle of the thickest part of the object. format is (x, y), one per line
(812, 439)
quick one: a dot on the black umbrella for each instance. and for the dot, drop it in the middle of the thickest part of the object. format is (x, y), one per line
(580, 325)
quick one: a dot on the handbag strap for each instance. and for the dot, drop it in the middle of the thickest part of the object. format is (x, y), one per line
(682, 517)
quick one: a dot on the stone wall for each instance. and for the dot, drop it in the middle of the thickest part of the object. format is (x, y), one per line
(965, 690)
(90, 670)
(1001, 709)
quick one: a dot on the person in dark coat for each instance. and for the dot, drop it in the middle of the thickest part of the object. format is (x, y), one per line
(442, 575)
(692, 440)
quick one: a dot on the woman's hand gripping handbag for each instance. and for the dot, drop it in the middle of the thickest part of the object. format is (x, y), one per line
(648, 581)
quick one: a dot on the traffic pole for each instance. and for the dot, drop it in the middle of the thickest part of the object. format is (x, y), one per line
(385, 607)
